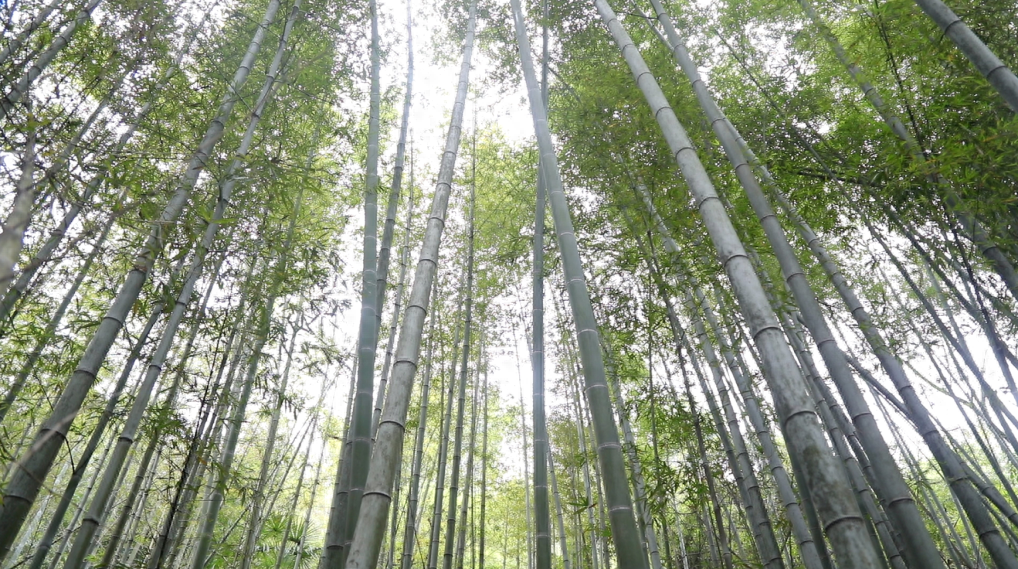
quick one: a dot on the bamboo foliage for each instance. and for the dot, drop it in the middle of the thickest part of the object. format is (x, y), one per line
(708, 392)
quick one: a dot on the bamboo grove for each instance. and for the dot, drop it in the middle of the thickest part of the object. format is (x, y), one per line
(599, 284)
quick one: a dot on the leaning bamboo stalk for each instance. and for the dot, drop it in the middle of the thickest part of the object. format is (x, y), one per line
(1001, 264)
(385, 247)
(982, 58)
(367, 539)
(43, 546)
(892, 488)
(367, 337)
(628, 544)
(12, 238)
(410, 531)
(461, 538)
(45, 253)
(807, 547)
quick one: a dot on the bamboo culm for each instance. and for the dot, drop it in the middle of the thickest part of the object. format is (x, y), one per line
(892, 489)
(457, 453)
(44, 544)
(845, 526)
(443, 455)
(542, 517)
(58, 233)
(183, 300)
(12, 238)
(361, 423)
(386, 455)
(385, 247)
(410, 531)
(628, 543)
(236, 421)
(989, 65)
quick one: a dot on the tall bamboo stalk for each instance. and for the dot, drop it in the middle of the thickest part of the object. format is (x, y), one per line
(361, 424)
(254, 524)
(385, 246)
(21, 88)
(12, 238)
(410, 531)
(367, 540)
(628, 544)
(892, 489)
(261, 335)
(457, 453)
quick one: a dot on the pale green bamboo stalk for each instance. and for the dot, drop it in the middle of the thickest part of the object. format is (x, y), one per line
(450, 528)
(155, 367)
(254, 525)
(635, 469)
(12, 238)
(367, 339)
(386, 456)
(563, 539)
(14, 44)
(385, 246)
(628, 544)
(410, 532)
(461, 538)
(982, 58)
(484, 476)
(443, 456)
